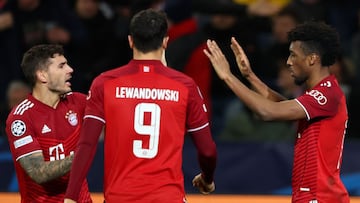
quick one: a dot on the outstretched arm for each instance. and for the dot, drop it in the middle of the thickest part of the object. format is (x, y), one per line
(42, 171)
(246, 71)
(266, 109)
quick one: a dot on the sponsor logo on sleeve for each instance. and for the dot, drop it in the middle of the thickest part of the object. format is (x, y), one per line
(23, 141)
(318, 96)
(18, 128)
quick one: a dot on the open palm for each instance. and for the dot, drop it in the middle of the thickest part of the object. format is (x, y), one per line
(217, 58)
(241, 58)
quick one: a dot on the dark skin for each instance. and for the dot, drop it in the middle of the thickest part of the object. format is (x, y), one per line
(266, 103)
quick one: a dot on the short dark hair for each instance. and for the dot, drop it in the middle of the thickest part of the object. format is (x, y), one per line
(319, 38)
(148, 29)
(37, 58)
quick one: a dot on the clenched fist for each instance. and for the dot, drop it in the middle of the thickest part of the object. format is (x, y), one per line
(204, 188)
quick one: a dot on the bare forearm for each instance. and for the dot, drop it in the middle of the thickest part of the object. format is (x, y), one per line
(41, 171)
(256, 102)
(261, 88)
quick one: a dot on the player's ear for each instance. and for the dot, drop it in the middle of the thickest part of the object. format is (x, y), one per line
(165, 42)
(131, 42)
(41, 76)
(312, 58)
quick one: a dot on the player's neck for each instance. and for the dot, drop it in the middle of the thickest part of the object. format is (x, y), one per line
(153, 55)
(317, 76)
(47, 97)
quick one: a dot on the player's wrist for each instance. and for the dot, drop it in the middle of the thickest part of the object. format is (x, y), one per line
(207, 180)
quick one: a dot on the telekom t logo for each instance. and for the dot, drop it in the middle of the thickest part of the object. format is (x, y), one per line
(57, 152)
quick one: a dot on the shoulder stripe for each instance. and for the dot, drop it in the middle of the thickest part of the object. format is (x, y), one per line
(23, 106)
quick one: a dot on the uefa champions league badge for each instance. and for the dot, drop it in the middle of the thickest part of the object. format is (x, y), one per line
(18, 128)
(72, 118)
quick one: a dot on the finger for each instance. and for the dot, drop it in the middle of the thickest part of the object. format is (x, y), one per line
(207, 53)
(237, 45)
(214, 48)
(237, 49)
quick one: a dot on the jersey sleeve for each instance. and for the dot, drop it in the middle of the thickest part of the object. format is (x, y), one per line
(320, 102)
(95, 101)
(197, 117)
(20, 134)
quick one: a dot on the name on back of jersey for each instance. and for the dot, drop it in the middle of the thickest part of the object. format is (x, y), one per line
(147, 93)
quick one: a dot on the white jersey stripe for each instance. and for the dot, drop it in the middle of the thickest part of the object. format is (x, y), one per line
(20, 105)
(27, 154)
(95, 117)
(199, 128)
(23, 106)
(302, 106)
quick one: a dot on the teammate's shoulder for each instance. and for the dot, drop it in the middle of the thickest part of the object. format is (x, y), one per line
(75, 95)
(107, 75)
(329, 85)
(114, 72)
(179, 75)
(23, 107)
(76, 98)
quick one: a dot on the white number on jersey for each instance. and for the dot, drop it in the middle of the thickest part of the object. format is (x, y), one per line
(152, 130)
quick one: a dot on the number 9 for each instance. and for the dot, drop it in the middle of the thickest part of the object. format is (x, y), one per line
(152, 130)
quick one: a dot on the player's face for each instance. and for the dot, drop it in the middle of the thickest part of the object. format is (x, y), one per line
(297, 63)
(59, 75)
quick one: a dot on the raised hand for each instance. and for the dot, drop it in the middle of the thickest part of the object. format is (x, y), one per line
(204, 188)
(241, 58)
(217, 58)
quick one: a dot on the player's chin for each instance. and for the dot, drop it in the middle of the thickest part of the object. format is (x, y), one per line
(67, 90)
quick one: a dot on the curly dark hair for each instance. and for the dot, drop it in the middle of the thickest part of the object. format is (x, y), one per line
(37, 58)
(319, 38)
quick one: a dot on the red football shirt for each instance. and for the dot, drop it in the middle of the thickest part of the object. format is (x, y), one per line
(147, 108)
(319, 145)
(35, 127)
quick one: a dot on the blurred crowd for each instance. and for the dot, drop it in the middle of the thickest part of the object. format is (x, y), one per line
(94, 36)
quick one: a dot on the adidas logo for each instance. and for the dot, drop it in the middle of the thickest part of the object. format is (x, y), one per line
(45, 129)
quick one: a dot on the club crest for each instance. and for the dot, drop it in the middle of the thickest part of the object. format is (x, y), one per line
(72, 118)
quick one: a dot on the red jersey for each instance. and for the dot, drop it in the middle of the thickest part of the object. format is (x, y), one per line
(147, 109)
(35, 127)
(319, 145)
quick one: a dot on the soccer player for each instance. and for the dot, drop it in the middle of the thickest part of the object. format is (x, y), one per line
(43, 130)
(321, 110)
(146, 109)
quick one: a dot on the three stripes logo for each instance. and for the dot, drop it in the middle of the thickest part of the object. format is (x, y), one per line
(23, 106)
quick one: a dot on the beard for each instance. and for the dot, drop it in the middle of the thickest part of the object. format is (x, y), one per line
(59, 91)
(300, 80)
